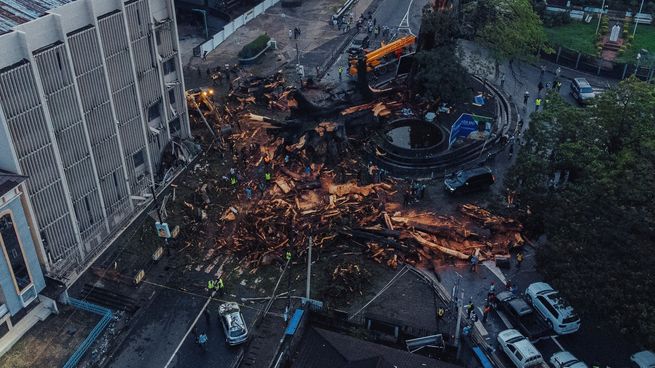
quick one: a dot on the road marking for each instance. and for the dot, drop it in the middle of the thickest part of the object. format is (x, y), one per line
(491, 265)
(557, 342)
(404, 23)
(190, 329)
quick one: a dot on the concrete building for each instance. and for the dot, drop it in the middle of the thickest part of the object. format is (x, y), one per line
(91, 96)
(21, 278)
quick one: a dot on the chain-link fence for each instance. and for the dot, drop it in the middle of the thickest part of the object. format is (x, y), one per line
(643, 69)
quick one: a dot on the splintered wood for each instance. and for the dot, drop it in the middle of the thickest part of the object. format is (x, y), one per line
(314, 187)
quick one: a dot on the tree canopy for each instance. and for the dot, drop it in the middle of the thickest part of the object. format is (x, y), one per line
(586, 179)
(509, 28)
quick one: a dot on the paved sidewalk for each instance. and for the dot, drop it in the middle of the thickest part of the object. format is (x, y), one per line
(317, 39)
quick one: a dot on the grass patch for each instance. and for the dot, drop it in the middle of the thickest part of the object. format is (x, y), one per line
(255, 47)
(577, 36)
(644, 39)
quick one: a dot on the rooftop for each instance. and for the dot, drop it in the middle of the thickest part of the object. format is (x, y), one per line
(326, 349)
(9, 181)
(15, 12)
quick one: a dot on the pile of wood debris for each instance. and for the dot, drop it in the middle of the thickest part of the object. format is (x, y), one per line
(319, 189)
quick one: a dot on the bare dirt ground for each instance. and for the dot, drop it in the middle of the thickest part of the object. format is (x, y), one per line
(50, 343)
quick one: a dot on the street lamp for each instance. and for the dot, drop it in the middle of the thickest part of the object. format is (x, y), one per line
(602, 10)
(635, 18)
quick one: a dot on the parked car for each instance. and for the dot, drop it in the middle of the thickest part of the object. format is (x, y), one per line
(564, 359)
(582, 91)
(469, 180)
(519, 349)
(522, 316)
(643, 359)
(557, 312)
(234, 326)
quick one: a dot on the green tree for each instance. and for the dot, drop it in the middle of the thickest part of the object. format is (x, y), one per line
(600, 221)
(509, 28)
(440, 75)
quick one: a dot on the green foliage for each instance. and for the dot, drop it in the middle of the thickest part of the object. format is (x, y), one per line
(438, 29)
(600, 223)
(255, 47)
(556, 19)
(510, 28)
(441, 76)
(578, 36)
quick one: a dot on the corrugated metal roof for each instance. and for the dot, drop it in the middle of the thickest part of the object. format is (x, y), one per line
(15, 12)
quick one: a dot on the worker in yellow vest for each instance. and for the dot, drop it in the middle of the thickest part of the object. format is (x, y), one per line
(220, 287)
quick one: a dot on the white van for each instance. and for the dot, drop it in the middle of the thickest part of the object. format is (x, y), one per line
(553, 308)
(519, 349)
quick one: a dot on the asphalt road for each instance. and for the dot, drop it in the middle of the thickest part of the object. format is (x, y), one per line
(401, 17)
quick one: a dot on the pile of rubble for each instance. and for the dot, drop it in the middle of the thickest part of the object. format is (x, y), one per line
(310, 182)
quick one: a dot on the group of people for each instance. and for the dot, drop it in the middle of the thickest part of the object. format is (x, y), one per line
(216, 285)
(415, 193)
(294, 33)
(556, 85)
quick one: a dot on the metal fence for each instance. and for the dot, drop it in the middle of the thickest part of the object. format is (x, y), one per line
(645, 70)
(107, 316)
(231, 27)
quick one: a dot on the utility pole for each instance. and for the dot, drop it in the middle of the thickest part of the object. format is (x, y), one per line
(602, 10)
(635, 18)
(309, 269)
(161, 221)
(459, 321)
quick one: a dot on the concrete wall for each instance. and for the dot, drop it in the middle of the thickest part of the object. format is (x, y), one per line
(235, 24)
(12, 299)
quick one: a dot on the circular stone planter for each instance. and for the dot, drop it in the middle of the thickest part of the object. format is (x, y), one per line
(413, 134)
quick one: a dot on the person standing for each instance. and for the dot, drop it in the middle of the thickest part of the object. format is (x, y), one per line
(220, 286)
(557, 72)
(485, 313)
(469, 309)
(210, 286)
(340, 72)
(526, 96)
(519, 259)
(290, 34)
(474, 262)
(537, 103)
(540, 87)
(502, 80)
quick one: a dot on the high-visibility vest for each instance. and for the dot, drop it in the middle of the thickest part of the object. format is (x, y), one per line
(340, 69)
(537, 102)
(267, 176)
(220, 283)
(233, 180)
(210, 284)
(288, 255)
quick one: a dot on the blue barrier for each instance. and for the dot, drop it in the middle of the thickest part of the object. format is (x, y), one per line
(107, 316)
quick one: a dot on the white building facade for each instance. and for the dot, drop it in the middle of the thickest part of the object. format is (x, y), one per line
(91, 95)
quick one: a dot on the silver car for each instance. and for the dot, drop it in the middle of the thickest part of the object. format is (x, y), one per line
(582, 91)
(234, 326)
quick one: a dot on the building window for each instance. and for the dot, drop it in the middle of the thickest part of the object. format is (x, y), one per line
(171, 97)
(174, 126)
(158, 37)
(14, 252)
(88, 210)
(153, 112)
(169, 66)
(58, 60)
(138, 159)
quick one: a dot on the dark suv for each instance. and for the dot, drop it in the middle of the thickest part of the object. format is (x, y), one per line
(469, 180)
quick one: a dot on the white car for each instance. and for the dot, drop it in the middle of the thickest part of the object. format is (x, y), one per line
(557, 312)
(519, 349)
(644, 359)
(564, 359)
(234, 326)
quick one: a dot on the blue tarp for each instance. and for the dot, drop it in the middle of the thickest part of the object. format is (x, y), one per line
(295, 321)
(479, 100)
